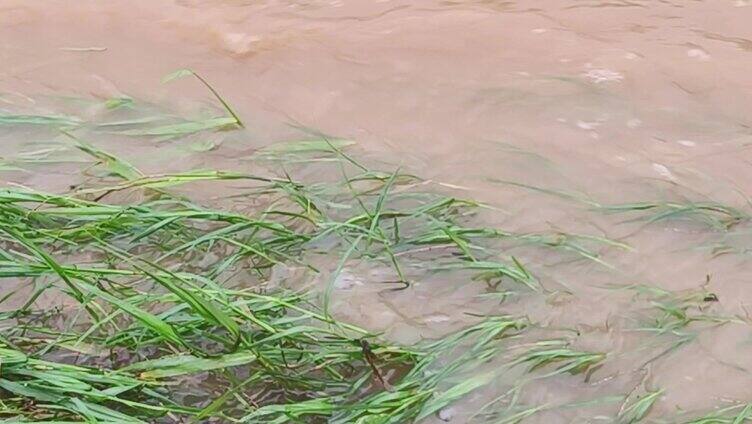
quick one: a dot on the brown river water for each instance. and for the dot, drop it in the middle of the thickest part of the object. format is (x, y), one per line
(619, 100)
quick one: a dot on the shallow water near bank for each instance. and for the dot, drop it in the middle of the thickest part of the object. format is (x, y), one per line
(611, 137)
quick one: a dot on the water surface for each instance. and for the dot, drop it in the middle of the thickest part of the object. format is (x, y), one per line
(609, 101)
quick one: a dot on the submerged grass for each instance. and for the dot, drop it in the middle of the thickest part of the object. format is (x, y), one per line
(150, 335)
(712, 214)
(43, 120)
(165, 310)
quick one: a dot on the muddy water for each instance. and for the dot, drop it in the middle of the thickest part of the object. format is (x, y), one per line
(618, 100)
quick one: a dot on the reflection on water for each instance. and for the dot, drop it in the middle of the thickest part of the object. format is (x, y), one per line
(548, 111)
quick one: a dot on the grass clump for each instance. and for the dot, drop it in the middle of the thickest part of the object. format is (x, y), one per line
(144, 333)
(146, 324)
